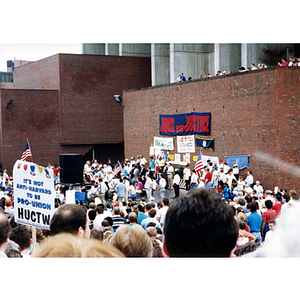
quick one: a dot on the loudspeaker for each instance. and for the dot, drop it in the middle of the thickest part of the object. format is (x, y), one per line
(71, 168)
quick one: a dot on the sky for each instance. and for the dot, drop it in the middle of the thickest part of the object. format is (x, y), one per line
(34, 51)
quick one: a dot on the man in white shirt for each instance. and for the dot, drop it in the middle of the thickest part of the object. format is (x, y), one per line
(147, 187)
(102, 190)
(162, 186)
(249, 178)
(176, 181)
(194, 179)
(170, 173)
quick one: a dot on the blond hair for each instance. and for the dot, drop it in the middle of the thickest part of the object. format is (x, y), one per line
(69, 245)
(132, 241)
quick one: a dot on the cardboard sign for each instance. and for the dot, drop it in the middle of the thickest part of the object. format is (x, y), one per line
(34, 194)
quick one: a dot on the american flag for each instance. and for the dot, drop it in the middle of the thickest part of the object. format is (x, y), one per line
(117, 169)
(27, 152)
(199, 164)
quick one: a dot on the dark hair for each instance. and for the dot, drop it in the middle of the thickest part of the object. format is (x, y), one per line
(4, 228)
(68, 218)
(166, 201)
(141, 208)
(148, 206)
(92, 214)
(151, 224)
(21, 236)
(152, 213)
(105, 223)
(268, 204)
(252, 206)
(110, 220)
(200, 224)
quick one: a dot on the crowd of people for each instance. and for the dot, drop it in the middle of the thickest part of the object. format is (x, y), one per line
(293, 61)
(127, 214)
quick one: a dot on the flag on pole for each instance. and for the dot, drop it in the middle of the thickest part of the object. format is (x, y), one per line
(27, 152)
(199, 164)
(117, 169)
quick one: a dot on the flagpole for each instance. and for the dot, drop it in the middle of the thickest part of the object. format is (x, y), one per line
(29, 148)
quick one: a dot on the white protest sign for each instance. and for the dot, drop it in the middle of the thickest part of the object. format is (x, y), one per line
(185, 144)
(34, 194)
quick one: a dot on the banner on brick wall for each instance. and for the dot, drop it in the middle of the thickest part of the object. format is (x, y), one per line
(204, 143)
(185, 124)
(241, 161)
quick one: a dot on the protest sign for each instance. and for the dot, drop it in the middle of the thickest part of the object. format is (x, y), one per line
(34, 194)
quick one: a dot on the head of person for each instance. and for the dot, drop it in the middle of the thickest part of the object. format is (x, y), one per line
(70, 218)
(268, 204)
(199, 224)
(252, 206)
(5, 229)
(132, 217)
(21, 235)
(165, 201)
(272, 224)
(70, 245)
(132, 241)
(152, 213)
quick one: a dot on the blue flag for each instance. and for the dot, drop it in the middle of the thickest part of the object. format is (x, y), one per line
(204, 143)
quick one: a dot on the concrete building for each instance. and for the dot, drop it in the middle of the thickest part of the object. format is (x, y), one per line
(169, 60)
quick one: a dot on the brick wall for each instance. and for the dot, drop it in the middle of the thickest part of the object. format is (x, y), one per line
(252, 114)
(64, 104)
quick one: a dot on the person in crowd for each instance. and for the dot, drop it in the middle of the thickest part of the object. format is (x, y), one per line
(176, 182)
(151, 218)
(132, 241)
(69, 245)
(269, 234)
(194, 180)
(208, 178)
(267, 215)
(21, 235)
(255, 221)
(4, 233)
(259, 190)
(187, 176)
(132, 218)
(163, 210)
(249, 178)
(194, 228)
(71, 218)
(277, 206)
(162, 185)
(141, 213)
(148, 187)
(117, 219)
(181, 78)
(283, 63)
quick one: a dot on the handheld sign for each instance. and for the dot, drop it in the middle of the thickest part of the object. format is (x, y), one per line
(34, 194)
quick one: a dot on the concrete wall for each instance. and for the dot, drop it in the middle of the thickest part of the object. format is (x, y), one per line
(169, 60)
(252, 113)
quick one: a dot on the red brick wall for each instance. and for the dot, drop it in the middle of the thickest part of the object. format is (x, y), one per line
(251, 112)
(42, 74)
(64, 104)
(89, 113)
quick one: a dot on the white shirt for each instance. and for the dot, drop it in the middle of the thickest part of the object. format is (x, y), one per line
(162, 182)
(148, 183)
(194, 178)
(176, 179)
(186, 173)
